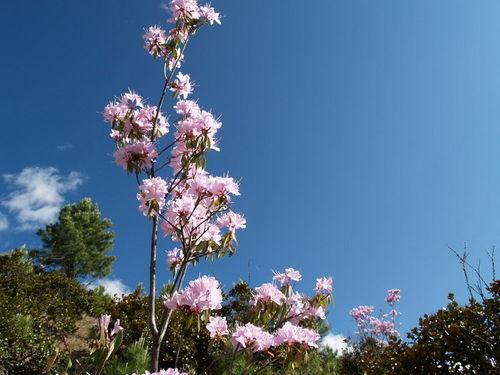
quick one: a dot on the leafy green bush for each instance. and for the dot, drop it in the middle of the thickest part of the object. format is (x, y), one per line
(39, 311)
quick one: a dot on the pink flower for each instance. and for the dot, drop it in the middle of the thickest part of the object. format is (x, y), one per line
(202, 294)
(155, 39)
(291, 334)
(253, 337)
(131, 100)
(209, 14)
(288, 276)
(187, 108)
(174, 258)
(184, 205)
(103, 325)
(267, 293)
(182, 86)
(143, 121)
(152, 195)
(116, 328)
(223, 186)
(114, 112)
(381, 327)
(361, 313)
(393, 296)
(103, 322)
(185, 9)
(174, 301)
(136, 156)
(217, 326)
(231, 221)
(324, 285)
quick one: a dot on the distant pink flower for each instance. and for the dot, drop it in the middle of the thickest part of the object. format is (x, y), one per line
(361, 313)
(288, 276)
(231, 221)
(382, 327)
(103, 322)
(136, 156)
(174, 258)
(209, 14)
(217, 326)
(251, 336)
(103, 325)
(324, 285)
(292, 334)
(268, 293)
(182, 86)
(155, 39)
(393, 296)
(116, 328)
(151, 195)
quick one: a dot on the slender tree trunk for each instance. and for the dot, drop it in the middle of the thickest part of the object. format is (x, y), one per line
(155, 354)
(152, 297)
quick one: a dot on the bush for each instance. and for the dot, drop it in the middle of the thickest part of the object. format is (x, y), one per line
(39, 311)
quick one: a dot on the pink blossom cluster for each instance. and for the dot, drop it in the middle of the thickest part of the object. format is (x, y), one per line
(324, 285)
(175, 257)
(301, 308)
(361, 314)
(291, 334)
(291, 309)
(133, 126)
(181, 86)
(169, 371)
(268, 293)
(381, 327)
(202, 294)
(198, 211)
(286, 278)
(393, 296)
(217, 326)
(103, 325)
(195, 133)
(152, 195)
(252, 337)
(187, 16)
(257, 339)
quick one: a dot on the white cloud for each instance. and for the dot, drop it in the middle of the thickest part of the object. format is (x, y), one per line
(111, 286)
(38, 194)
(64, 147)
(4, 223)
(336, 343)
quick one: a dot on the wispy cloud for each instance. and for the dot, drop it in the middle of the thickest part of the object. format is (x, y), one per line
(64, 147)
(4, 223)
(113, 287)
(38, 194)
(336, 343)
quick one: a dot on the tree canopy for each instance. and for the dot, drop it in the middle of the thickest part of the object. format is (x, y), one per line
(78, 243)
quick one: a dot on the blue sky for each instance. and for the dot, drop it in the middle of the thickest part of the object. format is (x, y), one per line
(365, 134)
